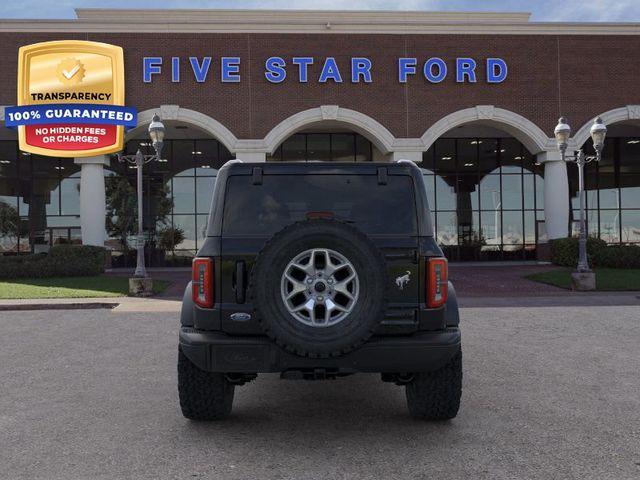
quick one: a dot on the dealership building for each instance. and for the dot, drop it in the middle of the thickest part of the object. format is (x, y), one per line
(472, 98)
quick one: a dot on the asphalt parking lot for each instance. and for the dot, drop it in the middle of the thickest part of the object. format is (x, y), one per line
(549, 392)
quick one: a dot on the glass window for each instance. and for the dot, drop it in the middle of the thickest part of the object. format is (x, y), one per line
(8, 159)
(467, 192)
(511, 192)
(467, 154)
(447, 228)
(429, 183)
(445, 195)
(488, 156)
(512, 228)
(629, 155)
(183, 195)
(343, 147)
(530, 227)
(427, 159)
(294, 148)
(539, 191)
(511, 156)
(187, 223)
(202, 222)
(182, 158)
(364, 149)
(204, 190)
(491, 224)
(630, 190)
(445, 162)
(490, 197)
(528, 191)
(282, 200)
(44, 166)
(70, 196)
(319, 147)
(609, 225)
(631, 226)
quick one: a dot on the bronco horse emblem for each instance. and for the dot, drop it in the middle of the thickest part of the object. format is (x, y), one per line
(403, 280)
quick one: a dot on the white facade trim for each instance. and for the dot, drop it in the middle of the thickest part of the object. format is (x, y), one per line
(200, 120)
(373, 130)
(531, 136)
(312, 21)
(622, 114)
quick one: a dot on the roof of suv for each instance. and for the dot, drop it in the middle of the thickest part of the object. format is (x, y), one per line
(257, 169)
(320, 167)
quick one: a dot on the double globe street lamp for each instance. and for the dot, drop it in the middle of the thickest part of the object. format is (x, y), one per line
(583, 278)
(141, 284)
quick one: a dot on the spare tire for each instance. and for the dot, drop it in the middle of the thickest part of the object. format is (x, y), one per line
(318, 288)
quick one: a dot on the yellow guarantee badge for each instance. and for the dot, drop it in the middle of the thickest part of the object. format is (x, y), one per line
(71, 99)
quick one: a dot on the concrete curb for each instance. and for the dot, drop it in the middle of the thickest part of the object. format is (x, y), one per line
(11, 307)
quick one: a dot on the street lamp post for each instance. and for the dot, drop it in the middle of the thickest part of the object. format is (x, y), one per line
(583, 278)
(156, 133)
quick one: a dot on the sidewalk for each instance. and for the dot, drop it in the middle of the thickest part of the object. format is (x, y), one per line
(477, 286)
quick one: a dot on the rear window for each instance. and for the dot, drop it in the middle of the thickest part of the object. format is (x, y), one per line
(284, 199)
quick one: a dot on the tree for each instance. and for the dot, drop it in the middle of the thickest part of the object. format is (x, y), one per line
(122, 208)
(9, 222)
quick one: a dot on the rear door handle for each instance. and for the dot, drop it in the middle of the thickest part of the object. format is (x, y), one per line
(240, 282)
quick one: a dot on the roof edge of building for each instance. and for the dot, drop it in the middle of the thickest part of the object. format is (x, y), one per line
(96, 20)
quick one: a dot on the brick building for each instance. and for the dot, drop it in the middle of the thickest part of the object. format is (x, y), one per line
(472, 97)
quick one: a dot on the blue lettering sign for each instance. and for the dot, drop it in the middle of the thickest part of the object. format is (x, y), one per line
(406, 66)
(330, 71)
(303, 64)
(465, 67)
(496, 70)
(428, 70)
(200, 71)
(175, 69)
(151, 66)
(360, 67)
(275, 69)
(230, 70)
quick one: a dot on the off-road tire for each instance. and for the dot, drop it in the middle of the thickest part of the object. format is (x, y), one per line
(311, 341)
(203, 395)
(436, 395)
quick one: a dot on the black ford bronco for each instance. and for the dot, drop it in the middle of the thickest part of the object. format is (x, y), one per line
(316, 271)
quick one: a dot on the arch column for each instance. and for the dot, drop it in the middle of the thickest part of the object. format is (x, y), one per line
(93, 209)
(556, 194)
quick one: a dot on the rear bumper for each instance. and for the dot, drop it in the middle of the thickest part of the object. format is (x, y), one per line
(217, 352)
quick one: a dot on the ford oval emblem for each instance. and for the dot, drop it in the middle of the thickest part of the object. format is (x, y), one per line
(240, 317)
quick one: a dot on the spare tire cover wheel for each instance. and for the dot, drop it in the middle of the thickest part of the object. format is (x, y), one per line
(318, 288)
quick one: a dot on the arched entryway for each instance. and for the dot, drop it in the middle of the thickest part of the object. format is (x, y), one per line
(612, 185)
(486, 185)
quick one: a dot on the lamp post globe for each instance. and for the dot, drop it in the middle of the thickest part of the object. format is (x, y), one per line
(598, 133)
(562, 133)
(156, 133)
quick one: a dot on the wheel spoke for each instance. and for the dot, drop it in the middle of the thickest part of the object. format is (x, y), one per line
(312, 275)
(342, 287)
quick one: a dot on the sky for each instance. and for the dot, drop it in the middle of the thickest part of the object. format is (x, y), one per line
(542, 10)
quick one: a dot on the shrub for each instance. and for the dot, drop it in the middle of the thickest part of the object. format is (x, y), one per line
(564, 252)
(169, 238)
(61, 261)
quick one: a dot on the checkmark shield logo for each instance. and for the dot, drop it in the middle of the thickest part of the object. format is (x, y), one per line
(70, 71)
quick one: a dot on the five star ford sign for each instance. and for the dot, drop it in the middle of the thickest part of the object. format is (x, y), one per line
(70, 99)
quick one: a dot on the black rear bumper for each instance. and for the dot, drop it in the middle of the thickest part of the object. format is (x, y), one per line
(217, 352)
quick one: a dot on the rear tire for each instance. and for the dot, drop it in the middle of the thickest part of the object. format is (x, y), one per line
(203, 395)
(436, 395)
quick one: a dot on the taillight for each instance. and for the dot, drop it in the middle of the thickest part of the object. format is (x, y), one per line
(202, 282)
(437, 282)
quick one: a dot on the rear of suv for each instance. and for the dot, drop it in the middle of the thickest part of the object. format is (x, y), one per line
(316, 271)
